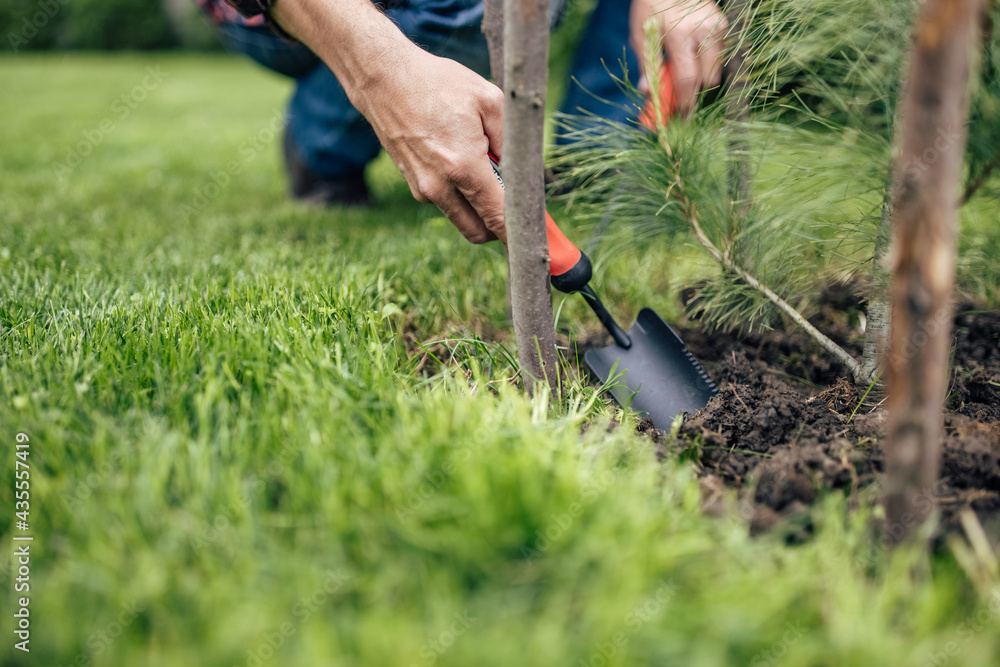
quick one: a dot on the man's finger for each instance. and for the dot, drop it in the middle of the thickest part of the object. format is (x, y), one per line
(711, 60)
(642, 85)
(686, 82)
(715, 75)
(461, 214)
(709, 72)
(638, 15)
(492, 117)
(484, 194)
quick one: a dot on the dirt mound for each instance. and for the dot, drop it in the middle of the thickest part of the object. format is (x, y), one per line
(780, 444)
(792, 351)
(786, 425)
(976, 390)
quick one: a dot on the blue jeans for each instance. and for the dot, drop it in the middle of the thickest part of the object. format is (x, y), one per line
(335, 140)
(603, 48)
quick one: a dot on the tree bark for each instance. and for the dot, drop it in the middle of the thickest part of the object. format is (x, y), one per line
(525, 54)
(932, 146)
(877, 324)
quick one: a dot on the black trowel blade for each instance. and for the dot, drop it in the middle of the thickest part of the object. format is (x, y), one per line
(657, 375)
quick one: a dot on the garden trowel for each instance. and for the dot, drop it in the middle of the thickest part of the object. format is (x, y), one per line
(650, 369)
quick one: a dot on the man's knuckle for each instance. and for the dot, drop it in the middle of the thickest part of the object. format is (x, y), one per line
(459, 171)
(418, 195)
(494, 96)
(428, 187)
(494, 224)
(455, 170)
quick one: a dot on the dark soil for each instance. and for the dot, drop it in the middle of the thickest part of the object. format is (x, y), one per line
(787, 426)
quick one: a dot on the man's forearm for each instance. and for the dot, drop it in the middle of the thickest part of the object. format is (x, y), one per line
(352, 37)
(436, 118)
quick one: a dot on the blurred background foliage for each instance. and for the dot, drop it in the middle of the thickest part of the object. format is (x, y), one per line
(41, 25)
(105, 25)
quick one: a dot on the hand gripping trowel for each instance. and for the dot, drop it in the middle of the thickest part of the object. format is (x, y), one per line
(651, 369)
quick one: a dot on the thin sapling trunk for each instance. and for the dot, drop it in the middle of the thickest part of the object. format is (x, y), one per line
(935, 106)
(877, 323)
(525, 54)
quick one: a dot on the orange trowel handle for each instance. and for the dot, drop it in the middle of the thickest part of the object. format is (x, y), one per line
(569, 268)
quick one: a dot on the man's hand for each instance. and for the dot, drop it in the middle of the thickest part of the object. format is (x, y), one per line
(693, 35)
(436, 118)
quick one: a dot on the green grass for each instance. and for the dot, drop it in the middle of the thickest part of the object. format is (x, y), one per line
(232, 449)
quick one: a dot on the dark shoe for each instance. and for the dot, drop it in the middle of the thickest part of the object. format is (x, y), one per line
(312, 188)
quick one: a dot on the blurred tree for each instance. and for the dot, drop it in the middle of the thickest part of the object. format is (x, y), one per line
(194, 31)
(116, 24)
(33, 25)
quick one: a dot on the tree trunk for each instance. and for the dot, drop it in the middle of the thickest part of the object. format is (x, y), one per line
(525, 54)
(877, 324)
(932, 146)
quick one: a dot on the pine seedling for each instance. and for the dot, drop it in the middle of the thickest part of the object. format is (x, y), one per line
(820, 90)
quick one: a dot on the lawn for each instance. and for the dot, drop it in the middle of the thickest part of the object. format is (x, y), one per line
(242, 453)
